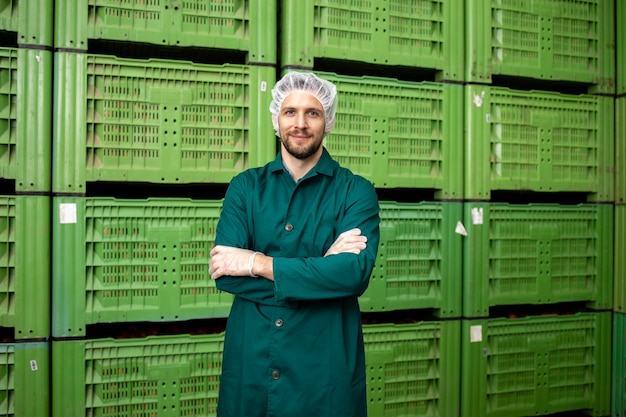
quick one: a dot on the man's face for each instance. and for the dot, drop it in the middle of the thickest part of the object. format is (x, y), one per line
(301, 125)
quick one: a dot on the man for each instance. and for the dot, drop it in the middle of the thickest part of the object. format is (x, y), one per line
(296, 244)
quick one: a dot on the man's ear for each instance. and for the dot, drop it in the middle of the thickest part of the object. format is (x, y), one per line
(275, 123)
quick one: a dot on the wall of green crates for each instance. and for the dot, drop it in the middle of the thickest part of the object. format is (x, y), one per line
(494, 132)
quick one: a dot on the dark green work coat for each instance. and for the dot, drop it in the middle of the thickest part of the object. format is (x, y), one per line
(294, 347)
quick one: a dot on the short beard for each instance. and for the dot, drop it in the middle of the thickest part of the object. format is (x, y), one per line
(301, 153)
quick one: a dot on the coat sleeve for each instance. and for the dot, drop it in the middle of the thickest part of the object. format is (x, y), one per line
(233, 230)
(340, 275)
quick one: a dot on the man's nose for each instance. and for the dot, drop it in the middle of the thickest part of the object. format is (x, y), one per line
(301, 121)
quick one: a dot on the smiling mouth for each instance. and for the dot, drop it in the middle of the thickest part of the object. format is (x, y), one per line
(300, 137)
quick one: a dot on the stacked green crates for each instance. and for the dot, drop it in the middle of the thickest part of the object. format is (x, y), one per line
(25, 144)
(132, 261)
(620, 43)
(538, 141)
(399, 134)
(536, 365)
(158, 121)
(30, 21)
(405, 135)
(618, 403)
(243, 25)
(25, 121)
(146, 121)
(620, 150)
(422, 34)
(25, 183)
(25, 379)
(618, 357)
(174, 375)
(517, 254)
(417, 265)
(539, 191)
(148, 95)
(562, 40)
(412, 369)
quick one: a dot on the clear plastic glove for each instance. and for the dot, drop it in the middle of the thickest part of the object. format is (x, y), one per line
(226, 260)
(350, 241)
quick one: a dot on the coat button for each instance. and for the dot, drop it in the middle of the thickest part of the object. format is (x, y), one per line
(289, 227)
(279, 322)
(275, 374)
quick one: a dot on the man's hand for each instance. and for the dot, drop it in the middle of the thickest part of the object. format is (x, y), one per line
(350, 241)
(226, 260)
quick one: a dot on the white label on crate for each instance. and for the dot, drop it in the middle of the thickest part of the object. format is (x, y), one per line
(33, 365)
(67, 213)
(478, 99)
(460, 229)
(476, 334)
(263, 86)
(477, 215)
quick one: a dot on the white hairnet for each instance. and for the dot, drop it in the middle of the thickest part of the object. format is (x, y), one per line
(300, 82)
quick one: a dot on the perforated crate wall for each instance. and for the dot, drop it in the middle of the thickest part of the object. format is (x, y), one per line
(118, 260)
(399, 134)
(241, 25)
(516, 254)
(425, 34)
(157, 375)
(559, 40)
(536, 365)
(417, 266)
(158, 121)
(539, 141)
(413, 369)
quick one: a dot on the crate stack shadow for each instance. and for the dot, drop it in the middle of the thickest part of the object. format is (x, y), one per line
(157, 105)
(25, 196)
(539, 208)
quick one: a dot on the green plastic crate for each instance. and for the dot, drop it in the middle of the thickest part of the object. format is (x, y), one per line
(618, 375)
(418, 265)
(24, 379)
(620, 47)
(120, 260)
(536, 254)
(620, 150)
(413, 369)
(398, 133)
(158, 121)
(536, 365)
(553, 40)
(25, 265)
(242, 25)
(619, 277)
(31, 19)
(143, 377)
(25, 118)
(414, 33)
(539, 141)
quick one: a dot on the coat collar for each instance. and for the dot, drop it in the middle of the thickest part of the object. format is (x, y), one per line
(324, 166)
